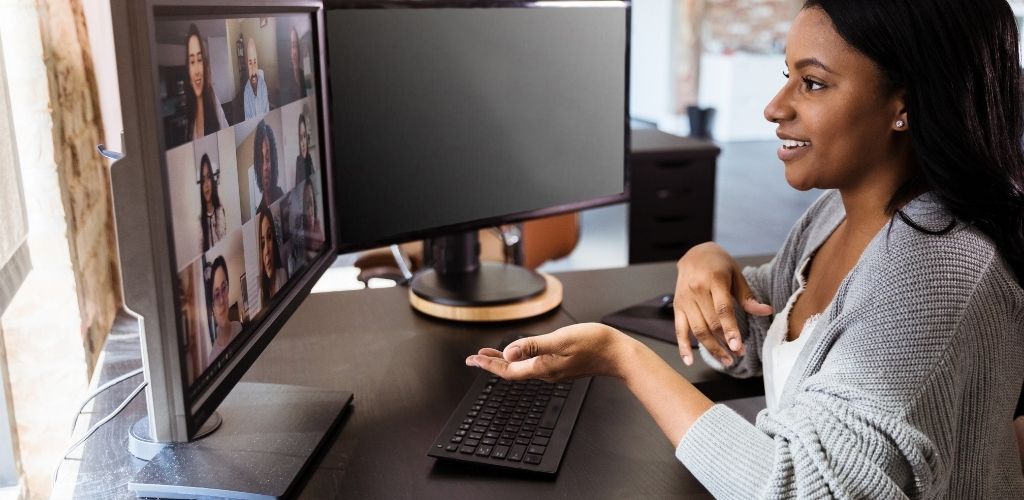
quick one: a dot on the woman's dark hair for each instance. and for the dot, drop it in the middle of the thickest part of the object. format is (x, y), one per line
(958, 64)
(204, 164)
(210, 123)
(265, 133)
(218, 262)
(265, 284)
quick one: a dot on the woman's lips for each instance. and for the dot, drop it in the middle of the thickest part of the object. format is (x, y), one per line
(792, 150)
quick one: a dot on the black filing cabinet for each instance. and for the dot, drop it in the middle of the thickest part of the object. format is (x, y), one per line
(672, 199)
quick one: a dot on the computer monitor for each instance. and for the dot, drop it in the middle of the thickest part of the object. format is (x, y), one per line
(224, 218)
(439, 118)
(451, 116)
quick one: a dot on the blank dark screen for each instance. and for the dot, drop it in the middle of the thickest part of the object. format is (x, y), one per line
(452, 115)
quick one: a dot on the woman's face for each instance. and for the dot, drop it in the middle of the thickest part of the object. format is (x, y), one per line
(303, 138)
(833, 114)
(267, 246)
(265, 166)
(195, 65)
(207, 185)
(220, 298)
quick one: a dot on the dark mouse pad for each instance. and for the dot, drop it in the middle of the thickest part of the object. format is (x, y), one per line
(647, 319)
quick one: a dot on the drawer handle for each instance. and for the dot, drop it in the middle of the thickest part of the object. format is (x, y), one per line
(664, 194)
(674, 164)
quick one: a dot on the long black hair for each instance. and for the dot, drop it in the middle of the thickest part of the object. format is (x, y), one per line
(205, 164)
(210, 123)
(265, 133)
(265, 282)
(958, 63)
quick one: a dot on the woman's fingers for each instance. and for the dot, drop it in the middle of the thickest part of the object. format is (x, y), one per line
(703, 333)
(683, 335)
(722, 301)
(745, 296)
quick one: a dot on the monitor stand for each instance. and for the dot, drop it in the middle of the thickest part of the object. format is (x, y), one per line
(459, 287)
(269, 436)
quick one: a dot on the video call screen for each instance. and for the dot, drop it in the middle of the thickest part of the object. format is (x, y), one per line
(239, 110)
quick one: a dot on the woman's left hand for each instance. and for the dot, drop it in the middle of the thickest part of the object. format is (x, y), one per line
(571, 352)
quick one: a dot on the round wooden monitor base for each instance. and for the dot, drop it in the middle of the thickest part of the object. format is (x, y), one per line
(534, 306)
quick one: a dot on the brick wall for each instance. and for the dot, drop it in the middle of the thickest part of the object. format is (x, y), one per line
(758, 26)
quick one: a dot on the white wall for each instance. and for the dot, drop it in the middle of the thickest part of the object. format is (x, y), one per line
(652, 93)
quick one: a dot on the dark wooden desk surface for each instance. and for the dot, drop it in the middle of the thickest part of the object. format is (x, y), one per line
(407, 374)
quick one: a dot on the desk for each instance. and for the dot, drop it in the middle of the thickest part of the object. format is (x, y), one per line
(407, 374)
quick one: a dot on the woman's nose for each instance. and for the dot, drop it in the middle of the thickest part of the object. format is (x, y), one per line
(778, 109)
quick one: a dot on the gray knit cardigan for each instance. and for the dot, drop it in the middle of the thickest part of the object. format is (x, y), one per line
(908, 382)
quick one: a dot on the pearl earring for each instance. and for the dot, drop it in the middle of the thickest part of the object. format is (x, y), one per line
(900, 123)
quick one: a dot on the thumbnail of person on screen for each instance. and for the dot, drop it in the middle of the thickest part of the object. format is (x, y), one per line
(298, 78)
(311, 227)
(202, 108)
(218, 288)
(212, 218)
(255, 97)
(887, 328)
(304, 162)
(272, 273)
(265, 149)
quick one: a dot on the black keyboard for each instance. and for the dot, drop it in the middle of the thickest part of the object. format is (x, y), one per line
(523, 425)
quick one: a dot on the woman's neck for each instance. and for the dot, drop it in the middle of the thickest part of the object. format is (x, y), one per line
(200, 125)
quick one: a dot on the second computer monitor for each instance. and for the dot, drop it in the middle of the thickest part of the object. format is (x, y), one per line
(449, 116)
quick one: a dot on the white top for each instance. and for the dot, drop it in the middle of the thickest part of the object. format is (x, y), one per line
(780, 361)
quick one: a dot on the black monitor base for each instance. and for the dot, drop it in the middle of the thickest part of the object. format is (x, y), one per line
(459, 287)
(270, 434)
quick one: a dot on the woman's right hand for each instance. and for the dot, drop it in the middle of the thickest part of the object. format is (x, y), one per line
(707, 281)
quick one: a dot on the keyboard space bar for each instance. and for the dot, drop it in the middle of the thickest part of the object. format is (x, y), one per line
(550, 417)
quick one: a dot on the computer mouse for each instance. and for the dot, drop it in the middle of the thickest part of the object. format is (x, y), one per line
(665, 306)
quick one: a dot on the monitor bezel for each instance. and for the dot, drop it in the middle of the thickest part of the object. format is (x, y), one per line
(344, 246)
(150, 285)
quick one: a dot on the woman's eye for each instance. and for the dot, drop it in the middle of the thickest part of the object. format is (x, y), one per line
(812, 85)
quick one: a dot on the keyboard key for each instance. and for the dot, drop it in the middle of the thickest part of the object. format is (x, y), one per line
(516, 453)
(537, 450)
(468, 450)
(540, 441)
(479, 428)
(476, 435)
(532, 459)
(484, 450)
(464, 427)
(492, 434)
(505, 442)
(522, 440)
(471, 442)
(460, 432)
(457, 439)
(500, 452)
(488, 441)
(452, 447)
(544, 433)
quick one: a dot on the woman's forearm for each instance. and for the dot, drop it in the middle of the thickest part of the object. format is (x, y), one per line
(674, 402)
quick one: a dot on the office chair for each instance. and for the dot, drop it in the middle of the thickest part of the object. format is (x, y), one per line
(529, 244)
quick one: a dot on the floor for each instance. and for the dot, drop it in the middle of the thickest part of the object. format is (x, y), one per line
(754, 210)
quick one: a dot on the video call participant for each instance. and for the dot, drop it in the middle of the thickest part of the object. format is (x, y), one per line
(298, 77)
(272, 273)
(218, 288)
(213, 219)
(265, 162)
(202, 108)
(304, 162)
(256, 102)
(888, 326)
(307, 237)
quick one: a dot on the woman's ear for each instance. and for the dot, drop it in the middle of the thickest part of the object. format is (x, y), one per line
(900, 123)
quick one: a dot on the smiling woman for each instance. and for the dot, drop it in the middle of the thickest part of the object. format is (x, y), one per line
(888, 327)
